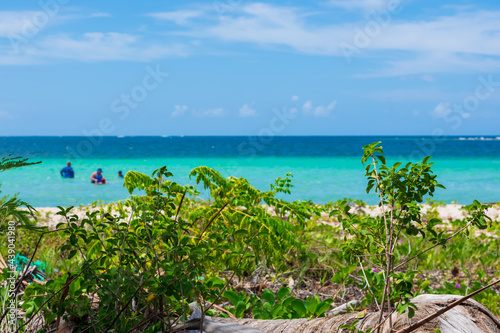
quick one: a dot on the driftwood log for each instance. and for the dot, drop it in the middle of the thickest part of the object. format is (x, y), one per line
(468, 317)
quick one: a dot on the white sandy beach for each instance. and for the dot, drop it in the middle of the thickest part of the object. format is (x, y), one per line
(448, 212)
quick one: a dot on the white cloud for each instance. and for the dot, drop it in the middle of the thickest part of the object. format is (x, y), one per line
(365, 5)
(463, 41)
(179, 110)
(319, 111)
(307, 107)
(428, 78)
(441, 110)
(267, 24)
(247, 111)
(5, 115)
(17, 23)
(295, 98)
(180, 17)
(324, 111)
(427, 94)
(460, 42)
(214, 112)
(98, 46)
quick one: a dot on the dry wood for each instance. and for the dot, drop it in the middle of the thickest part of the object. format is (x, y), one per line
(445, 309)
(468, 317)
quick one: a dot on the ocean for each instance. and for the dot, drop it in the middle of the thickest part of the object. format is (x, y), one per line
(324, 168)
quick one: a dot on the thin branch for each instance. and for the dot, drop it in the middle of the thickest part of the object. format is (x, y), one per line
(18, 282)
(213, 218)
(368, 284)
(180, 204)
(430, 248)
(443, 310)
(125, 306)
(57, 292)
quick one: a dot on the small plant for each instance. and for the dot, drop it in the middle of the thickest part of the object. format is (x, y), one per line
(377, 241)
(277, 306)
(146, 258)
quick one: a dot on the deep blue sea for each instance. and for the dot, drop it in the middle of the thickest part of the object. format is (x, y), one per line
(324, 168)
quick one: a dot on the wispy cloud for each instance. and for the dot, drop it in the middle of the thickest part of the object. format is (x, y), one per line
(428, 78)
(213, 112)
(247, 111)
(442, 110)
(179, 110)
(180, 17)
(5, 115)
(463, 41)
(295, 98)
(460, 41)
(364, 5)
(318, 111)
(16, 23)
(91, 47)
(100, 15)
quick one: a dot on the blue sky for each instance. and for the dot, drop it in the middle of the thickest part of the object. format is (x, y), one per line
(234, 67)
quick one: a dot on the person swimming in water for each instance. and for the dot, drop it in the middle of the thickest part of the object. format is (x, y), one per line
(120, 174)
(97, 177)
(68, 172)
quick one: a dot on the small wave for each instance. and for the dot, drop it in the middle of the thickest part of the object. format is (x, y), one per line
(481, 138)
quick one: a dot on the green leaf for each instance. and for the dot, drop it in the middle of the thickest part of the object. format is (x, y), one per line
(323, 307)
(312, 303)
(136, 180)
(231, 296)
(288, 301)
(71, 254)
(240, 309)
(241, 232)
(276, 310)
(215, 282)
(72, 239)
(299, 307)
(381, 158)
(268, 295)
(260, 314)
(283, 292)
(411, 312)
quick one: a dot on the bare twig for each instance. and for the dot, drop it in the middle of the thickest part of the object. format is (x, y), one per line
(368, 285)
(57, 292)
(443, 310)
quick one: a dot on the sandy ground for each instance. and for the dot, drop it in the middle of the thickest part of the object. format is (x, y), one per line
(449, 212)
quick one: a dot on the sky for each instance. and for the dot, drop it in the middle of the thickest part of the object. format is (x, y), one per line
(234, 67)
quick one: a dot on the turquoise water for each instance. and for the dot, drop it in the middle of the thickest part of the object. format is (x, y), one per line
(317, 178)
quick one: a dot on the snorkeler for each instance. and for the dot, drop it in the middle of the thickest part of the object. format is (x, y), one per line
(97, 177)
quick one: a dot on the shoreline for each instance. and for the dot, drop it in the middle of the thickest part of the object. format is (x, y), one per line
(447, 212)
